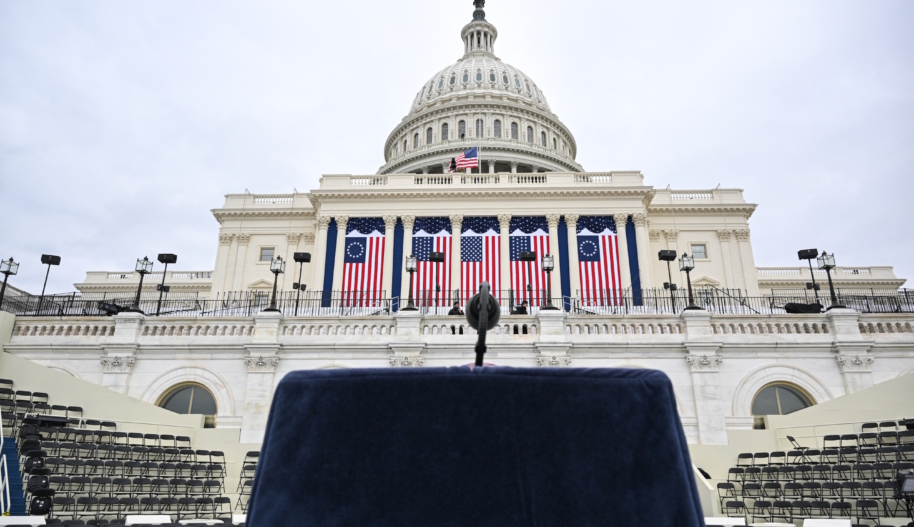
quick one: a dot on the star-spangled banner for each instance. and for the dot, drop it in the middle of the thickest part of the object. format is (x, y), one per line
(432, 234)
(480, 256)
(363, 262)
(598, 261)
(528, 233)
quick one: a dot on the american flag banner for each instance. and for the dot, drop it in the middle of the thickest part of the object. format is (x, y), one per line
(468, 159)
(598, 258)
(432, 235)
(480, 256)
(528, 233)
(363, 263)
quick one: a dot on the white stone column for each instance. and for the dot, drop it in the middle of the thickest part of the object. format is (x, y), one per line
(341, 222)
(658, 267)
(724, 236)
(390, 222)
(750, 274)
(504, 222)
(514, 167)
(574, 270)
(241, 254)
(491, 166)
(261, 359)
(644, 262)
(621, 221)
(553, 221)
(408, 222)
(704, 367)
(320, 253)
(456, 225)
(221, 272)
(291, 274)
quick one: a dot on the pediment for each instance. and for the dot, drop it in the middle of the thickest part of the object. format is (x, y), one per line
(704, 281)
(261, 284)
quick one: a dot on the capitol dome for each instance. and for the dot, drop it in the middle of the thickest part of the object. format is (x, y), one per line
(480, 101)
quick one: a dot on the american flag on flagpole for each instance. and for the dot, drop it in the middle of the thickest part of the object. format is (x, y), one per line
(363, 262)
(598, 257)
(432, 235)
(480, 256)
(452, 168)
(528, 233)
(468, 159)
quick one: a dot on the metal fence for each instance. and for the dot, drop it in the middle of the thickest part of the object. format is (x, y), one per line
(377, 303)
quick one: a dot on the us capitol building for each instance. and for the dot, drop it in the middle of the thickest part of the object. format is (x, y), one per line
(528, 194)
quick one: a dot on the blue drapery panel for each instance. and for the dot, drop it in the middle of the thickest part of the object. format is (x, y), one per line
(633, 261)
(475, 447)
(329, 260)
(564, 264)
(397, 277)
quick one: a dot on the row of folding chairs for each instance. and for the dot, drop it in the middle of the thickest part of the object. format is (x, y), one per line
(833, 455)
(102, 436)
(202, 507)
(790, 511)
(813, 490)
(838, 472)
(22, 395)
(103, 522)
(102, 486)
(122, 453)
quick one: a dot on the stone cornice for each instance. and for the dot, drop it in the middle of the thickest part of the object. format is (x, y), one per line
(643, 194)
(745, 211)
(222, 215)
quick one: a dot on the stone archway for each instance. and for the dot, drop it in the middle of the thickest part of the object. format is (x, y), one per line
(753, 381)
(219, 387)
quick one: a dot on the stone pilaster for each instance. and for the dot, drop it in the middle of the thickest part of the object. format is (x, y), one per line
(553, 221)
(852, 350)
(320, 253)
(504, 222)
(120, 351)
(574, 271)
(456, 225)
(261, 359)
(408, 349)
(390, 222)
(723, 235)
(750, 278)
(641, 241)
(621, 221)
(341, 223)
(704, 367)
(408, 223)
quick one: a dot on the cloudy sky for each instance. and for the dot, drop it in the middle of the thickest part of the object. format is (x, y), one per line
(123, 123)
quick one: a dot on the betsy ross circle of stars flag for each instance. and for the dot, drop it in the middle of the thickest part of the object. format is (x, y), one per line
(363, 262)
(598, 261)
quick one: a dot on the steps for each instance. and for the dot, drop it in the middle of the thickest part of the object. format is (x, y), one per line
(12, 464)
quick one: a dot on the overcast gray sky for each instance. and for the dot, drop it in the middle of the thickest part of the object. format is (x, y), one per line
(123, 123)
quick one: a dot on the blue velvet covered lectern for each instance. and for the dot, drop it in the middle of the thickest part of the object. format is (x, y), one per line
(475, 447)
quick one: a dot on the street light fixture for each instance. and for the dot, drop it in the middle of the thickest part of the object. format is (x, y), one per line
(827, 262)
(143, 267)
(687, 263)
(410, 268)
(548, 267)
(809, 255)
(436, 258)
(277, 267)
(302, 259)
(162, 288)
(7, 268)
(669, 256)
(529, 256)
(49, 260)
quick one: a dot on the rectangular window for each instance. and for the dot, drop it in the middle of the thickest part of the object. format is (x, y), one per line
(699, 251)
(266, 254)
(498, 129)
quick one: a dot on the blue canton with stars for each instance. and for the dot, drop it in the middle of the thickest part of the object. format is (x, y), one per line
(423, 247)
(471, 249)
(356, 250)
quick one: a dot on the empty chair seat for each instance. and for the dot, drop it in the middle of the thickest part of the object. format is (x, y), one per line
(744, 459)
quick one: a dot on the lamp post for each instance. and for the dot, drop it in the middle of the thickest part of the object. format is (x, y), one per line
(436, 258)
(809, 255)
(277, 267)
(410, 268)
(302, 259)
(165, 259)
(687, 263)
(669, 256)
(49, 260)
(529, 256)
(143, 267)
(548, 267)
(7, 267)
(827, 262)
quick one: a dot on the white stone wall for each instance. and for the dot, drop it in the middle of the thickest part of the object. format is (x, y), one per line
(716, 363)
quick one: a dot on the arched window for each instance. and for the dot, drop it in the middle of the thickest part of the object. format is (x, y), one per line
(444, 134)
(517, 82)
(405, 144)
(441, 84)
(554, 144)
(528, 86)
(496, 126)
(514, 131)
(492, 76)
(466, 77)
(191, 398)
(478, 75)
(453, 79)
(479, 128)
(780, 399)
(462, 130)
(428, 136)
(416, 140)
(430, 88)
(504, 78)
(529, 134)
(543, 138)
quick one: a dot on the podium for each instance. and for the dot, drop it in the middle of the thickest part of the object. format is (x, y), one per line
(484, 446)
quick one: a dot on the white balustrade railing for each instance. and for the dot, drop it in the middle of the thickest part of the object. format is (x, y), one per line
(274, 199)
(367, 181)
(692, 195)
(593, 178)
(157, 275)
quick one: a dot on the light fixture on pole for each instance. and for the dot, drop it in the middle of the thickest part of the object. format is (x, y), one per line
(809, 255)
(827, 261)
(7, 268)
(302, 259)
(277, 267)
(144, 267)
(411, 269)
(687, 263)
(669, 256)
(162, 288)
(49, 260)
(548, 267)
(529, 256)
(436, 258)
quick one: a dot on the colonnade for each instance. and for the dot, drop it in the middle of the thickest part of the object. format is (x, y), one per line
(639, 221)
